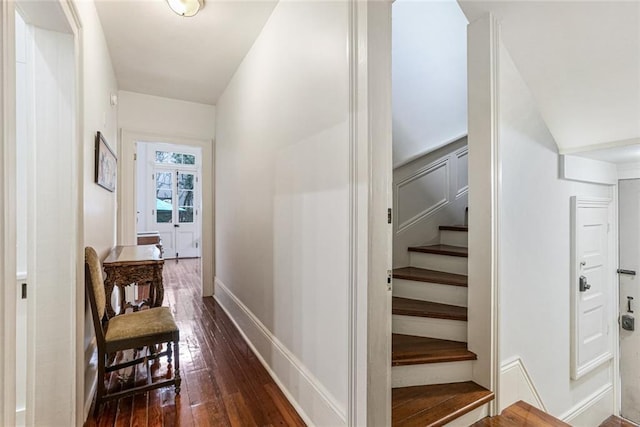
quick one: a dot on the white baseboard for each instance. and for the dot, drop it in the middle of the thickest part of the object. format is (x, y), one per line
(592, 410)
(21, 417)
(314, 403)
(516, 384)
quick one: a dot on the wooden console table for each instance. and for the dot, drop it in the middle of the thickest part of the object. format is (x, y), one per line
(128, 265)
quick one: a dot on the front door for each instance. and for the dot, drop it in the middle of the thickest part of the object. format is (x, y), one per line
(629, 208)
(175, 208)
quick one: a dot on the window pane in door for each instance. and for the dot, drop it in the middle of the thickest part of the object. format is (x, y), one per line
(185, 197)
(189, 159)
(164, 197)
(186, 215)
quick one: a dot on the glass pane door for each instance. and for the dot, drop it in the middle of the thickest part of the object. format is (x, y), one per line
(164, 197)
(185, 197)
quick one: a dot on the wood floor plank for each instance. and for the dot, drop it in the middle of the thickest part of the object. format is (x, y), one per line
(223, 382)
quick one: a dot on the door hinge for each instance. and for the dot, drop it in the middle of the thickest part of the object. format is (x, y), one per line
(196, 245)
(24, 291)
(135, 156)
(389, 279)
(153, 176)
(153, 211)
(389, 216)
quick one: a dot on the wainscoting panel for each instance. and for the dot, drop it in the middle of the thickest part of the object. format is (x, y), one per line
(428, 192)
(422, 193)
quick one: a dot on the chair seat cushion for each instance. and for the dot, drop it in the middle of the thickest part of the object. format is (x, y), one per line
(140, 324)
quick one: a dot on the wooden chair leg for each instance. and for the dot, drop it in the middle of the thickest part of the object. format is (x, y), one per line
(169, 355)
(100, 388)
(177, 366)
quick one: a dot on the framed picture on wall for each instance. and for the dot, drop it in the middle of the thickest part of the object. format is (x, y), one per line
(106, 164)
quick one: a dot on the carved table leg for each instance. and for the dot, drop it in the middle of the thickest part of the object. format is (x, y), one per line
(109, 283)
(157, 279)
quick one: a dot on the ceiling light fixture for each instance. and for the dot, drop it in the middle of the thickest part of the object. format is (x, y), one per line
(186, 7)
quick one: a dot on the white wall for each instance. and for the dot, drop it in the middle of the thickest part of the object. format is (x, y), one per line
(98, 83)
(282, 203)
(165, 117)
(534, 259)
(429, 72)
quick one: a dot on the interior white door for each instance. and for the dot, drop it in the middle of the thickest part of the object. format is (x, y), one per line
(629, 208)
(591, 286)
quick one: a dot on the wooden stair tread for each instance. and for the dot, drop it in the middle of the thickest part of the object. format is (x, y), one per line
(458, 251)
(614, 421)
(414, 307)
(455, 227)
(435, 405)
(430, 276)
(521, 414)
(412, 350)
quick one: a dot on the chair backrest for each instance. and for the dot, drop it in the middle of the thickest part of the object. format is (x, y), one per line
(95, 289)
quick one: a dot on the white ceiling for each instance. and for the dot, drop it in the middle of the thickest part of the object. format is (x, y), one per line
(581, 61)
(157, 52)
(618, 155)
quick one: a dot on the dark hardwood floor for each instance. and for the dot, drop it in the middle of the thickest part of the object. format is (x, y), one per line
(223, 383)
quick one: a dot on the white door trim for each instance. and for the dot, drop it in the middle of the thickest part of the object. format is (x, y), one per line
(127, 195)
(8, 222)
(483, 45)
(7, 225)
(370, 168)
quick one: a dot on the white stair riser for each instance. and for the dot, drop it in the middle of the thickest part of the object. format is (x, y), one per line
(454, 238)
(470, 417)
(446, 263)
(431, 373)
(443, 329)
(434, 292)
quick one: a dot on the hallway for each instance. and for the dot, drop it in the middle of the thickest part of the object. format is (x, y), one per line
(223, 384)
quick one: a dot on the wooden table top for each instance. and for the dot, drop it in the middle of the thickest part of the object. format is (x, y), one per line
(133, 255)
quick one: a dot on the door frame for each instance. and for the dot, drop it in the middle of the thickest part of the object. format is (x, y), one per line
(8, 218)
(127, 195)
(8, 222)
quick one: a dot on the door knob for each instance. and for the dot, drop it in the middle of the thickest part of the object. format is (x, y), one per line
(584, 286)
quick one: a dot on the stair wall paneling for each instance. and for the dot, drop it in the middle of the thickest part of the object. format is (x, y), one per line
(516, 385)
(428, 192)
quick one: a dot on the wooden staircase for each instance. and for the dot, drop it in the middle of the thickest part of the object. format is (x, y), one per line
(431, 364)
(521, 414)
